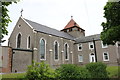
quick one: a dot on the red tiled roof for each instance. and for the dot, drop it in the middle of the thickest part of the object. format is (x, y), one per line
(71, 24)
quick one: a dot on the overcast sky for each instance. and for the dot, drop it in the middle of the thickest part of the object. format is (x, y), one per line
(57, 13)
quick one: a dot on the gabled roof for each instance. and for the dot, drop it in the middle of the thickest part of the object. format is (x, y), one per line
(70, 24)
(47, 30)
(88, 38)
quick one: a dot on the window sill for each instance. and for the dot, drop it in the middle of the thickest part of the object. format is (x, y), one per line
(56, 59)
(66, 59)
(43, 59)
(79, 50)
(106, 60)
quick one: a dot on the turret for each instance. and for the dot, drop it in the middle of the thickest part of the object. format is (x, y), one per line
(74, 29)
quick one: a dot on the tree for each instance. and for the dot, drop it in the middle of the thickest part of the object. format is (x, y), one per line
(4, 17)
(111, 28)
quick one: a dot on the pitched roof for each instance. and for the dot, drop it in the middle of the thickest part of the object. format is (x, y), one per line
(70, 24)
(44, 29)
(88, 38)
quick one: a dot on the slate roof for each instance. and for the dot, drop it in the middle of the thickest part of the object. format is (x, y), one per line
(44, 29)
(87, 38)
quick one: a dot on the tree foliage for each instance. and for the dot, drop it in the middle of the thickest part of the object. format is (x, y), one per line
(4, 17)
(111, 28)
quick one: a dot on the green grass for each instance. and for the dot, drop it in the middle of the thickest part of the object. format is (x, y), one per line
(113, 71)
(14, 75)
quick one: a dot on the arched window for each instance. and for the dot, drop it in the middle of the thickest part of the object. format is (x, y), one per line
(66, 51)
(19, 40)
(56, 50)
(92, 57)
(42, 49)
(28, 42)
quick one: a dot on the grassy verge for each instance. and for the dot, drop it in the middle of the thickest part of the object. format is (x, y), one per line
(13, 76)
(113, 71)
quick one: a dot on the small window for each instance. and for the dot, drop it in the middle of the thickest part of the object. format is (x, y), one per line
(28, 42)
(67, 30)
(91, 45)
(70, 29)
(104, 45)
(19, 26)
(79, 47)
(80, 58)
(74, 29)
(105, 56)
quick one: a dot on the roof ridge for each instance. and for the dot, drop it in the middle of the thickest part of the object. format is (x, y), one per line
(48, 30)
(92, 35)
(86, 36)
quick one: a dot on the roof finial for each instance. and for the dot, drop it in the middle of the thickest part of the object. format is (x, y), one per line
(71, 17)
(21, 11)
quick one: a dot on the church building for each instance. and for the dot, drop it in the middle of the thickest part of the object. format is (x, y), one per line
(33, 41)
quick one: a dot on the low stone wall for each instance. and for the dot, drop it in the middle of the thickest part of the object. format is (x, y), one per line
(5, 59)
(21, 59)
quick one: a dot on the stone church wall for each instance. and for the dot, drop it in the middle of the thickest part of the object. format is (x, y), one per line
(50, 39)
(21, 60)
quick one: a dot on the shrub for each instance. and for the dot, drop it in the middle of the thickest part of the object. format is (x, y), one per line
(40, 71)
(71, 72)
(97, 70)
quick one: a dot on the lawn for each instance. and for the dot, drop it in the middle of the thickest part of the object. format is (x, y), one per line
(113, 71)
(13, 76)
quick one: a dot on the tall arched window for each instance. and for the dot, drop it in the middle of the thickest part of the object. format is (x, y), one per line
(42, 49)
(28, 42)
(66, 51)
(19, 40)
(56, 50)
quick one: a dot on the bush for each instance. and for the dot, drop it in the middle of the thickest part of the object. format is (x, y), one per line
(71, 72)
(97, 70)
(40, 71)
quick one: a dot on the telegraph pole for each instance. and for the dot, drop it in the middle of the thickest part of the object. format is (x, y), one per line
(95, 50)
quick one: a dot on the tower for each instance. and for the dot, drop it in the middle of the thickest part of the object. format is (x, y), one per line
(74, 29)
